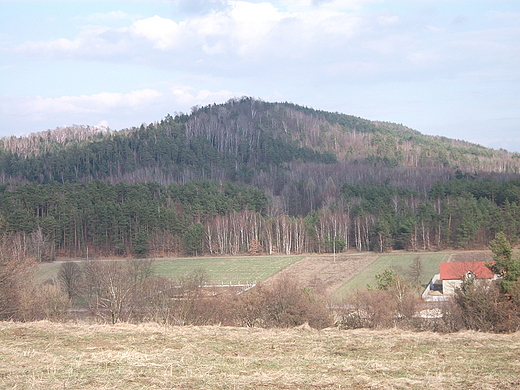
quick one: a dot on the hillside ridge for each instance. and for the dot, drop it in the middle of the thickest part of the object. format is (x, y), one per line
(240, 141)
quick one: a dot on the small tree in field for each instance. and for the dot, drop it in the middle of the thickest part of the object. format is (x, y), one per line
(70, 276)
(415, 271)
(386, 279)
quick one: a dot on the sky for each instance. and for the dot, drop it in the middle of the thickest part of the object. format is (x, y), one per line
(442, 67)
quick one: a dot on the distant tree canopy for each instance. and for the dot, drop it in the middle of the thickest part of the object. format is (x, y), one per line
(238, 141)
(167, 146)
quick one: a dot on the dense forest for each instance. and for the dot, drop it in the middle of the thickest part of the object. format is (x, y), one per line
(249, 176)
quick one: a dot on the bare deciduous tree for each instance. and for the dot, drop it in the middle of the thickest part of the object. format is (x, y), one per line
(70, 277)
(14, 275)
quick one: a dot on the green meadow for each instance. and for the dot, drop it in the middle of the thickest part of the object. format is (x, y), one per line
(221, 270)
(227, 270)
(401, 263)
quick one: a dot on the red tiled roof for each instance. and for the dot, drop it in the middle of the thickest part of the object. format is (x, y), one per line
(451, 271)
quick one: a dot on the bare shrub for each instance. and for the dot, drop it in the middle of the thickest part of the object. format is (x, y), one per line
(369, 308)
(250, 309)
(70, 277)
(52, 302)
(284, 304)
(394, 306)
(185, 301)
(212, 310)
(157, 294)
(187, 307)
(16, 286)
(113, 288)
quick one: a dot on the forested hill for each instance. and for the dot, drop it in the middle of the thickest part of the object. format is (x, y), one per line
(252, 176)
(243, 140)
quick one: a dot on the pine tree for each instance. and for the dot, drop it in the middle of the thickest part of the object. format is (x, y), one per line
(505, 265)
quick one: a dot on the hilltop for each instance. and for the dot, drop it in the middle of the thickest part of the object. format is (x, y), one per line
(248, 141)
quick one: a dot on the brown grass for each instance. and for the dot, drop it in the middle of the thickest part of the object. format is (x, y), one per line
(469, 256)
(49, 356)
(326, 272)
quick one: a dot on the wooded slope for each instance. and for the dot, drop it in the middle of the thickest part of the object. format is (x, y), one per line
(323, 182)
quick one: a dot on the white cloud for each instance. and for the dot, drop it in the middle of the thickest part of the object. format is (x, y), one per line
(60, 45)
(250, 31)
(507, 17)
(40, 113)
(119, 110)
(266, 39)
(271, 39)
(110, 16)
(100, 102)
(188, 96)
(103, 124)
(93, 43)
(251, 23)
(163, 33)
(200, 7)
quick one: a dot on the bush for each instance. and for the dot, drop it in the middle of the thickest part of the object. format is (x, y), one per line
(283, 304)
(393, 303)
(368, 309)
(482, 307)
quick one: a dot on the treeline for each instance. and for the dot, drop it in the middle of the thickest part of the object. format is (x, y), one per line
(103, 219)
(461, 213)
(118, 219)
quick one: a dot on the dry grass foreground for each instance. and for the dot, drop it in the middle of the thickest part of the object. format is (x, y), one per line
(45, 355)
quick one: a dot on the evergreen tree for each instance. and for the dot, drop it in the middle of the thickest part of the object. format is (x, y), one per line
(193, 245)
(140, 244)
(506, 265)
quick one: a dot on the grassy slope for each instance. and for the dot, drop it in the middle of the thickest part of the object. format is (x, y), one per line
(65, 356)
(220, 270)
(401, 263)
(233, 270)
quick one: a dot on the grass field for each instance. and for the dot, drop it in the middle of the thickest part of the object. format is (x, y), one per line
(51, 356)
(234, 270)
(401, 263)
(227, 270)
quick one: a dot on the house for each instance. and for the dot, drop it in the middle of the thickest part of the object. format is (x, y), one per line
(452, 275)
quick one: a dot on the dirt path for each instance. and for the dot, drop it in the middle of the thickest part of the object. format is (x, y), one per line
(321, 272)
